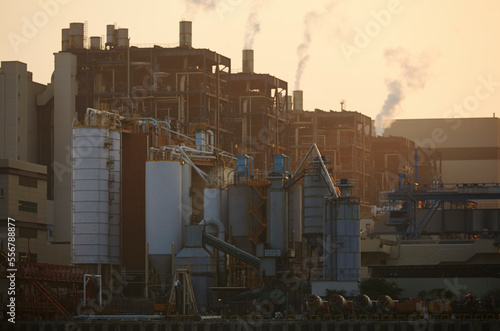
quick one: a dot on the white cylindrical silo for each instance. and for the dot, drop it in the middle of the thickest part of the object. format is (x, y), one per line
(90, 244)
(187, 207)
(212, 204)
(163, 212)
(114, 194)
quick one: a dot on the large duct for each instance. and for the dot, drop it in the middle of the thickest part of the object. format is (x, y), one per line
(185, 34)
(248, 61)
(298, 100)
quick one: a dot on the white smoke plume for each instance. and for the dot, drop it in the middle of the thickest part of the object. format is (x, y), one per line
(253, 25)
(414, 72)
(311, 19)
(193, 6)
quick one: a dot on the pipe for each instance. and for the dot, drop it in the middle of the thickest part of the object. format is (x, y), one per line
(169, 130)
(156, 126)
(221, 234)
(188, 160)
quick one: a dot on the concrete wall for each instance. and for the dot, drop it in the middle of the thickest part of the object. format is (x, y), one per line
(65, 90)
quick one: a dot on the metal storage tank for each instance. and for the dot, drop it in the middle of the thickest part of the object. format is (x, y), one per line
(90, 243)
(185, 34)
(248, 61)
(95, 43)
(76, 35)
(163, 212)
(212, 203)
(114, 164)
(314, 192)
(342, 247)
(187, 208)
(238, 214)
(123, 38)
(277, 215)
(203, 262)
(295, 212)
(65, 40)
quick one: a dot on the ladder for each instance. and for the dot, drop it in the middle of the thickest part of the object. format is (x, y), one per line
(182, 301)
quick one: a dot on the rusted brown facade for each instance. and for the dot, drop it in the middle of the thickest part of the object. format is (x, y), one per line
(343, 137)
(259, 116)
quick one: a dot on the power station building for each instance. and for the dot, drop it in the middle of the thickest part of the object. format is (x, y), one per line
(146, 161)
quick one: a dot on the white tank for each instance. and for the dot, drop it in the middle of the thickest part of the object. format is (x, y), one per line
(90, 244)
(76, 35)
(187, 208)
(163, 212)
(123, 38)
(114, 184)
(212, 204)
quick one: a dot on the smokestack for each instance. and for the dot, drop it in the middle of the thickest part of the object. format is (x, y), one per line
(185, 34)
(289, 101)
(76, 35)
(298, 100)
(65, 39)
(248, 61)
(110, 35)
(95, 43)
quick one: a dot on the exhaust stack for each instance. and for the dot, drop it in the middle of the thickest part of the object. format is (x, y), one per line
(298, 99)
(185, 34)
(248, 61)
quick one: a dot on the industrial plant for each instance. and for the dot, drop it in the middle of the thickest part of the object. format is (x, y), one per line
(155, 184)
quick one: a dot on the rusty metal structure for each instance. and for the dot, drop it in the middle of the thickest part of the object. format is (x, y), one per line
(259, 114)
(344, 137)
(48, 291)
(186, 85)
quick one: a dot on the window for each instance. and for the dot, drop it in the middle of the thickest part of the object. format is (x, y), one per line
(28, 233)
(31, 207)
(28, 181)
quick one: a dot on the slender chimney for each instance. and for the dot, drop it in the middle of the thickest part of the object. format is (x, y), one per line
(185, 34)
(248, 61)
(298, 96)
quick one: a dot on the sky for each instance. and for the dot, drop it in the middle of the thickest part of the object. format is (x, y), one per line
(386, 59)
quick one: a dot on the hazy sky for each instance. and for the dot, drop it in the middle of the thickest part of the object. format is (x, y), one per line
(385, 58)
